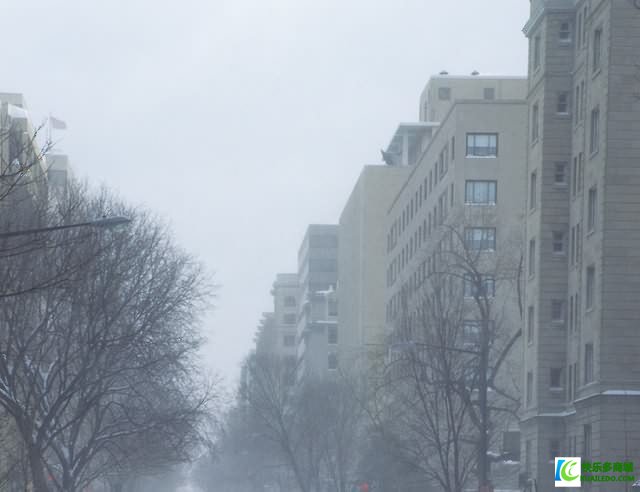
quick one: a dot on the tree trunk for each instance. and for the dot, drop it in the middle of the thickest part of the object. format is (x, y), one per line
(38, 476)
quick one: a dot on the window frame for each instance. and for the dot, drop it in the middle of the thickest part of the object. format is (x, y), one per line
(562, 241)
(469, 189)
(592, 209)
(590, 287)
(596, 54)
(488, 236)
(471, 150)
(594, 131)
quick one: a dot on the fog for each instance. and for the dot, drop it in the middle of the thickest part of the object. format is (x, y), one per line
(242, 121)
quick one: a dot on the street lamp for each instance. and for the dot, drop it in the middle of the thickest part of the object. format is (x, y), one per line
(104, 222)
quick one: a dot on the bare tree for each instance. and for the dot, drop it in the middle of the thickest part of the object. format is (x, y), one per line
(99, 358)
(448, 374)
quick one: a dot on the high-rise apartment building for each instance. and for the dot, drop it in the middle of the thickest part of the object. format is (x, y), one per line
(361, 262)
(463, 196)
(317, 324)
(471, 167)
(582, 350)
(285, 293)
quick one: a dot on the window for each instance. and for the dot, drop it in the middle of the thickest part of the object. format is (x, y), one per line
(577, 104)
(486, 289)
(323, 265)
(565, 32)
(597, 49)
(536, 52)
(591, 286)
(562, 105)
(528, 454)
(333, 307)
(594, 141)
(471, 332)
(480, 238)
(529, 388)
(559, 243)
(453, 148)
(535, 122)
(489, 93)
(332, 362)
(289, 340)
(480, 192)
(583, 105)
(570, 383)
(557, 311)
(289, 301)
(444, 93)
(482, 145)
(588, 363)
(533, 190)
(587, 441)
(289, 319)
(332, 335)
(578, 244)
(584, 26)
(592, 209)
(532, 257)
(530, 323)
(323, 241)
(580, 171)
(560, 174)
(574, 184)
(579, 30)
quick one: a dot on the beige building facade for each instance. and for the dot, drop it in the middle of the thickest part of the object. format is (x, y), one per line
(466, 185)
(361, 262)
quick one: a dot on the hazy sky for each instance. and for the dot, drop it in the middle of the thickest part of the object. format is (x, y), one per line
(242, 121)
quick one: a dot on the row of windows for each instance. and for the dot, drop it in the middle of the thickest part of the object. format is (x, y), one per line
(477, 192)
(444, 93)
(477, 145)
(476, 239)
(421, 194)
(572, 450)
(558, 237)
(565, 37)
(594, 130)
(323, 265)
(420, 235)
(557, 381)
(558, 307)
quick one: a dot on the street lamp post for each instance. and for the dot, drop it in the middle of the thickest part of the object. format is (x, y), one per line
(104, 222)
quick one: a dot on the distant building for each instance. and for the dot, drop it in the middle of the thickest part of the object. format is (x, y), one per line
(582, 352)
(285, 293)
(317, 326)
(266, 338)
(22, 165)
(361, 262)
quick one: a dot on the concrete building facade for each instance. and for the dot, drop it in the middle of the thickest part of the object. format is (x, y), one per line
(582, 356)
(317, 324)
(361, 262)
(467, 182)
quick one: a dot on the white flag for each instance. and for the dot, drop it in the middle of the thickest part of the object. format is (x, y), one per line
(57, 124)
